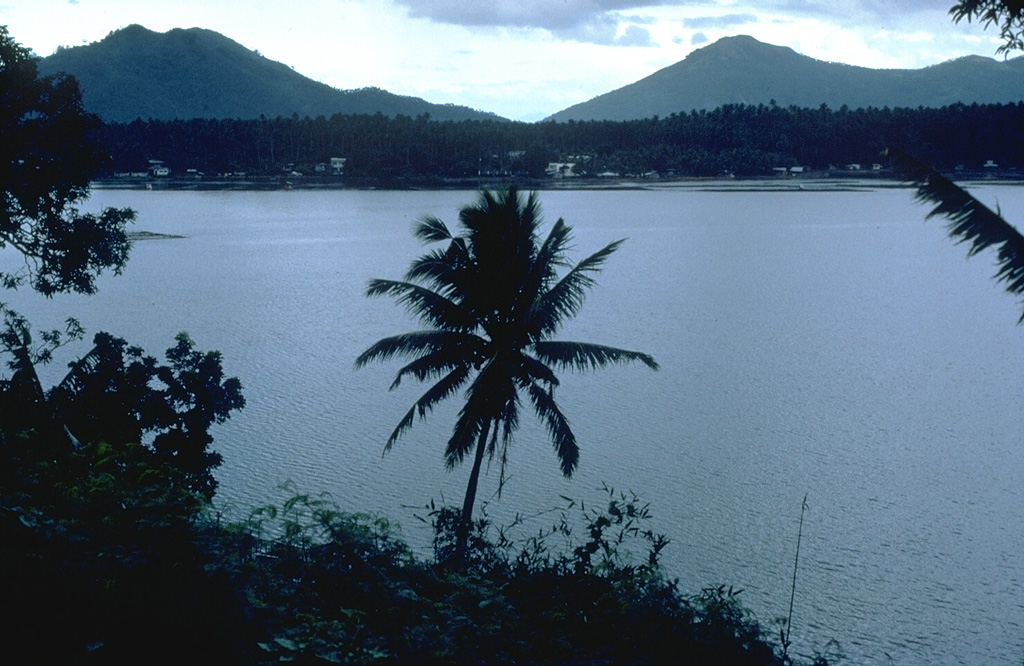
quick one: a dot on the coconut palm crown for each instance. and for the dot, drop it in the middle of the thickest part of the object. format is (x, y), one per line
(490, 299)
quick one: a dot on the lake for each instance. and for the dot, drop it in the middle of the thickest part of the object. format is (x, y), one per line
(824, 343)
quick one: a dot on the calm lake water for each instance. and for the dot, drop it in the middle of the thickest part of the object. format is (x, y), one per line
(827, 343)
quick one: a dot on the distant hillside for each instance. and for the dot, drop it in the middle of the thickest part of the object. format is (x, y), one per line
(744, 70)
(183, 74)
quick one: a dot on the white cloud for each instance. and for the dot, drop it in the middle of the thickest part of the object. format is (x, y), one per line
(607, 32)
(601, 22)
(634, 35)
(556, 16)
(722, 21)
(546, 14)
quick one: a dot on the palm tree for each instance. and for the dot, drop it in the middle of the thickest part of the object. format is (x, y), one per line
(490, 300)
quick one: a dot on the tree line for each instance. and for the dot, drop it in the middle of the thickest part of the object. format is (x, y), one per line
(737, 139)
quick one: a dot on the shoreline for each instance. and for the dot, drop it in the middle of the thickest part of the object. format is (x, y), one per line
(820, 181)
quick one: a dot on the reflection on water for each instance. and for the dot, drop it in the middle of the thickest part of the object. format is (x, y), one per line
(823, 343)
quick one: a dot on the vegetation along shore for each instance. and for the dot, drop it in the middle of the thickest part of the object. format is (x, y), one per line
(735, 141)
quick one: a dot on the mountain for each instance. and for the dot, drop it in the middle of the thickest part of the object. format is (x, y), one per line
(743, 70)
(195, 73)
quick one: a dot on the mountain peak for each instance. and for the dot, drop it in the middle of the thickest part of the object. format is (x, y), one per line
(136, 31)
(130, 31)
(189, 73)
(743, 70)
(742, 46)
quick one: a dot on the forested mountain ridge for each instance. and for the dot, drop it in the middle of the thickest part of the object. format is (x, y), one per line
(742, 70)
(196, 73)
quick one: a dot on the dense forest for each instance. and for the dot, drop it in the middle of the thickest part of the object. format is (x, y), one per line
(740, 140)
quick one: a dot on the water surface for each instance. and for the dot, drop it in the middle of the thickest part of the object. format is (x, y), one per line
(831, 344)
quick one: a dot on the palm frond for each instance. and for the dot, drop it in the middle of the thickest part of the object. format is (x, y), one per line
(543, 270)
(501, 227)
(562, 437)
(411, 344)
(970, 221)
(490, 398)
(467, 429)
(565, 299)
(443, 389)
(535, 370)
(431, 229)
(445, 271)
(509, 424)
(552, 251)
(481, 213)
(430, 306)
(528, 212)
(427, 266)
(587, 356)
(465, 353)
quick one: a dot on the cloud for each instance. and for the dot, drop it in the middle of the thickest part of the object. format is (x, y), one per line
(844, 12)
(562, 15)
(546, 14)
(605, 31)
(724, 21)
(698, 39)
(634, 35)
(592, 21)
(618, 22)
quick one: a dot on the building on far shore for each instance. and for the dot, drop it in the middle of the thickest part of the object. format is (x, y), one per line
(560, 170)
(158, 169)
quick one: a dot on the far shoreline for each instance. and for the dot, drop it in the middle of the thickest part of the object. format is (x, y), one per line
(808, 181)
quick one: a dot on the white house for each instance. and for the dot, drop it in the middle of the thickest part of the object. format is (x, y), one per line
(560, 169)
(158, 168)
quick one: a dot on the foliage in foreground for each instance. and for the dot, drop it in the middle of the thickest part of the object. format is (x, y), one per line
(48, 154)
(107, 562)
(102, 482)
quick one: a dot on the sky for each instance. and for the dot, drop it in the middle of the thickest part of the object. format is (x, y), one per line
(521, 59)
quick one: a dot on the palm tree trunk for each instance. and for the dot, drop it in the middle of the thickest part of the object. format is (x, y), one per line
(466, 521)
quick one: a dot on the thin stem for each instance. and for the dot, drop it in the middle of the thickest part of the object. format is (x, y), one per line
(792, 591)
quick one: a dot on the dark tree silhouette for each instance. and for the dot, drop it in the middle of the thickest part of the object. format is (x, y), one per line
(48, 154)
(490, 299)
(1008, 15)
